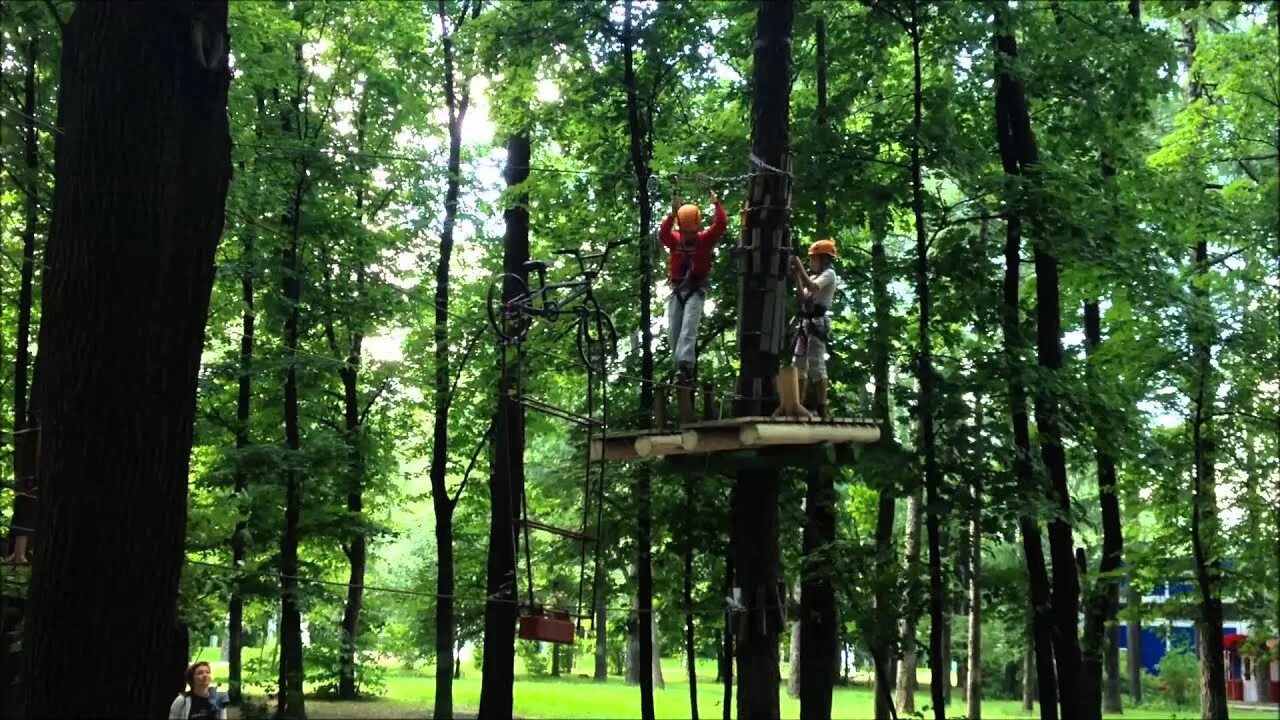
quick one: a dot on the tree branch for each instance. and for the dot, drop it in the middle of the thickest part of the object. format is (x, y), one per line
(364, 414)
(475, 454)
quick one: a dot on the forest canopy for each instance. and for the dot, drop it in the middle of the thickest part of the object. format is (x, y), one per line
(1058, 257)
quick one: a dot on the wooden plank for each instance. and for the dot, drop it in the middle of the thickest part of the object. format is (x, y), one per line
(658, 445)
(771, 433)
(752, 419)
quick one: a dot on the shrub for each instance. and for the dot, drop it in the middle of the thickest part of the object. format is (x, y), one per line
(535, 663)
(1179, 675)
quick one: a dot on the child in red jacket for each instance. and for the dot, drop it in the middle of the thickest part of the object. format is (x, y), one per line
(687, 269)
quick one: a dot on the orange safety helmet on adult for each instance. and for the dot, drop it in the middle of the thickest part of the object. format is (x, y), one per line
(689, 217)
(824, 246)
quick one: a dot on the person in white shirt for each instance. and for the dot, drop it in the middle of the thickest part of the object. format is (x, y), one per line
(816, 290)
(202, 701)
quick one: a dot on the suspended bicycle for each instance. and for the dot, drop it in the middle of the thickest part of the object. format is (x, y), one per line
(512, 305)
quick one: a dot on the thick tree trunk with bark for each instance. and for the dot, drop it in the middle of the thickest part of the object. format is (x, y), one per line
(1009, 98)
(819, 653)
(761, 330)
(906, 703)
(506, 480)
(142, 105)
(640, 155)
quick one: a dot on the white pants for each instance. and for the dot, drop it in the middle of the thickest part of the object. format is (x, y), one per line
(810, 356)
(683, 318)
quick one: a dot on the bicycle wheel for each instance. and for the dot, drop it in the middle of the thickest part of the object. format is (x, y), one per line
(508, 318)
(597, 340)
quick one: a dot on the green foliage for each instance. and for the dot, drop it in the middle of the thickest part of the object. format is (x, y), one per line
(339, 134)
(1178, 675)
(534, 659)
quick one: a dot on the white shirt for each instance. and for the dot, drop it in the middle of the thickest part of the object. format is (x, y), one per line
(825, 294)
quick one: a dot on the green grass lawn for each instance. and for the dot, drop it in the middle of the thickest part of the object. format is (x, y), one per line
(409, 695)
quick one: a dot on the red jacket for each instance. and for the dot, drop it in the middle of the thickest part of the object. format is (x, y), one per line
(691, 247)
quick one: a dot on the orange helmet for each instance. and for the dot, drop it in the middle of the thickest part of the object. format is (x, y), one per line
(823, 247)
(689, 217)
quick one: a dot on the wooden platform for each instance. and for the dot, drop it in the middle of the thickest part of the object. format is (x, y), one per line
(729, 434)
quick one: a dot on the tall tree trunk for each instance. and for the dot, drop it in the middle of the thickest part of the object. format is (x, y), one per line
(727, 654)
(601, 673)
(818, 645)
(1104, 595)
(1028, 668)
(124, 306)
(761, 328)
(506, 481)
(356, 549)
(1065, 600)
(25, 433)
(932, 473)
(907, 666)
(643, 487)
(655, 664)
(1205, 545)
(1105, 609)
(946, 648)
(290, 699)
(457, 101)
(886, 607)
(690, 647)
(442, 503)
(244, 408)
(1133, 646)
(814, 654)
(973, 656)
(291, 702)
(1009, 97)
(243, 438)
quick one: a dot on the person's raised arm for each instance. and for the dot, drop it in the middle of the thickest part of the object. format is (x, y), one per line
(719, 223)
(804, 284)
(664, 231)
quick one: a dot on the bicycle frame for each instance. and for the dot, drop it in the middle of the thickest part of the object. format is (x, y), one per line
(541, 296)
